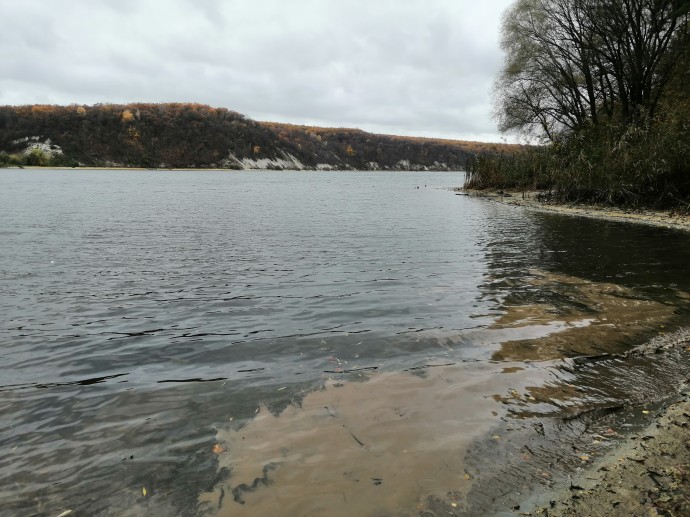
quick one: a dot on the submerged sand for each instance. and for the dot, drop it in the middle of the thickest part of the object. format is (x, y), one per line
(604, 317)
(402, 443)
(382, 446)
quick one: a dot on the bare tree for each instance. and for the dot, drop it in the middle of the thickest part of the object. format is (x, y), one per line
(571, 62)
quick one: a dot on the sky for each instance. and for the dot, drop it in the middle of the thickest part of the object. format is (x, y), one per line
(406, 67)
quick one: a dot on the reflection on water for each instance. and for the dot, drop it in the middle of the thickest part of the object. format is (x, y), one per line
(299, 342)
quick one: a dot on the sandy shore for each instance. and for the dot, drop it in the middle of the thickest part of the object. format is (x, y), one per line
(664, 219)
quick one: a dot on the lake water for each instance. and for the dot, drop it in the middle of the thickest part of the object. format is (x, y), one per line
(209, 342)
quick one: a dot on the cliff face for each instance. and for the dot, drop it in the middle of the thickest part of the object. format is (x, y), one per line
(195, 135)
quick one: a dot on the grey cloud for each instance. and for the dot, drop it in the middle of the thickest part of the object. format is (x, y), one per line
(411, 67)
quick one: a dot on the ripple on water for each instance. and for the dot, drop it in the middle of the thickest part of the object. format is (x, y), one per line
(147, 315)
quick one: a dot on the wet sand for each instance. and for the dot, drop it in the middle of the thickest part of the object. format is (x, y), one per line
(648, 474)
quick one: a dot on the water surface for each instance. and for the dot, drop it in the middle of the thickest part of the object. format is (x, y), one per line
(149, 315)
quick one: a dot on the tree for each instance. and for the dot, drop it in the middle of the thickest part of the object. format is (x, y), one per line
(634, 38)
(572, 63)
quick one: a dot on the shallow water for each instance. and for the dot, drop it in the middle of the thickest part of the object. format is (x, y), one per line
(148, 317)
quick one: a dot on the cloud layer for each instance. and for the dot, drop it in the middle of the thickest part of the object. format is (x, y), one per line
(406, 66)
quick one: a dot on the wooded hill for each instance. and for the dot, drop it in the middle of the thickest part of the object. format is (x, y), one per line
(199, 136)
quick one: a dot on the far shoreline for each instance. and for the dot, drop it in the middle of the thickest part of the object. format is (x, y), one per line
(208, 169)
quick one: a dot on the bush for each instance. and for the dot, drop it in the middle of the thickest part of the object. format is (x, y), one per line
(525, 170)
(37, 158)
(632, 165)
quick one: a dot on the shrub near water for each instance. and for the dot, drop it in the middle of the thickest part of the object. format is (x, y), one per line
(36, 158)
(626, 165)
(526, 170)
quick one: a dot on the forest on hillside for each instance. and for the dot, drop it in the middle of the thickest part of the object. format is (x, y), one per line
(604, 87)
(360, 149)
(187, 135)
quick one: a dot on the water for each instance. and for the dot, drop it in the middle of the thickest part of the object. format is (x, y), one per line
(144, 312)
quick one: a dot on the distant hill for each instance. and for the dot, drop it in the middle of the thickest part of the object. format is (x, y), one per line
(199, 136)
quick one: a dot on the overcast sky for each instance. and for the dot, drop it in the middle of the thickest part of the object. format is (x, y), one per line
(412, 67)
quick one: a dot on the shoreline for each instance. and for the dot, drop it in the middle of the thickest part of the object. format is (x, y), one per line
(647, 472)
(530, 200)
(209, 169)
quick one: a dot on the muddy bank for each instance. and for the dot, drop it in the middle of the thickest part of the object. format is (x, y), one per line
(531, 200)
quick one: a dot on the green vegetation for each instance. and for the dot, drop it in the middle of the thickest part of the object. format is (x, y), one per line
(35, 158)
(9, 159)
(604, 87)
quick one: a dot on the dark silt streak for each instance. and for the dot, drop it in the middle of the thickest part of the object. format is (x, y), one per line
(143, 310)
